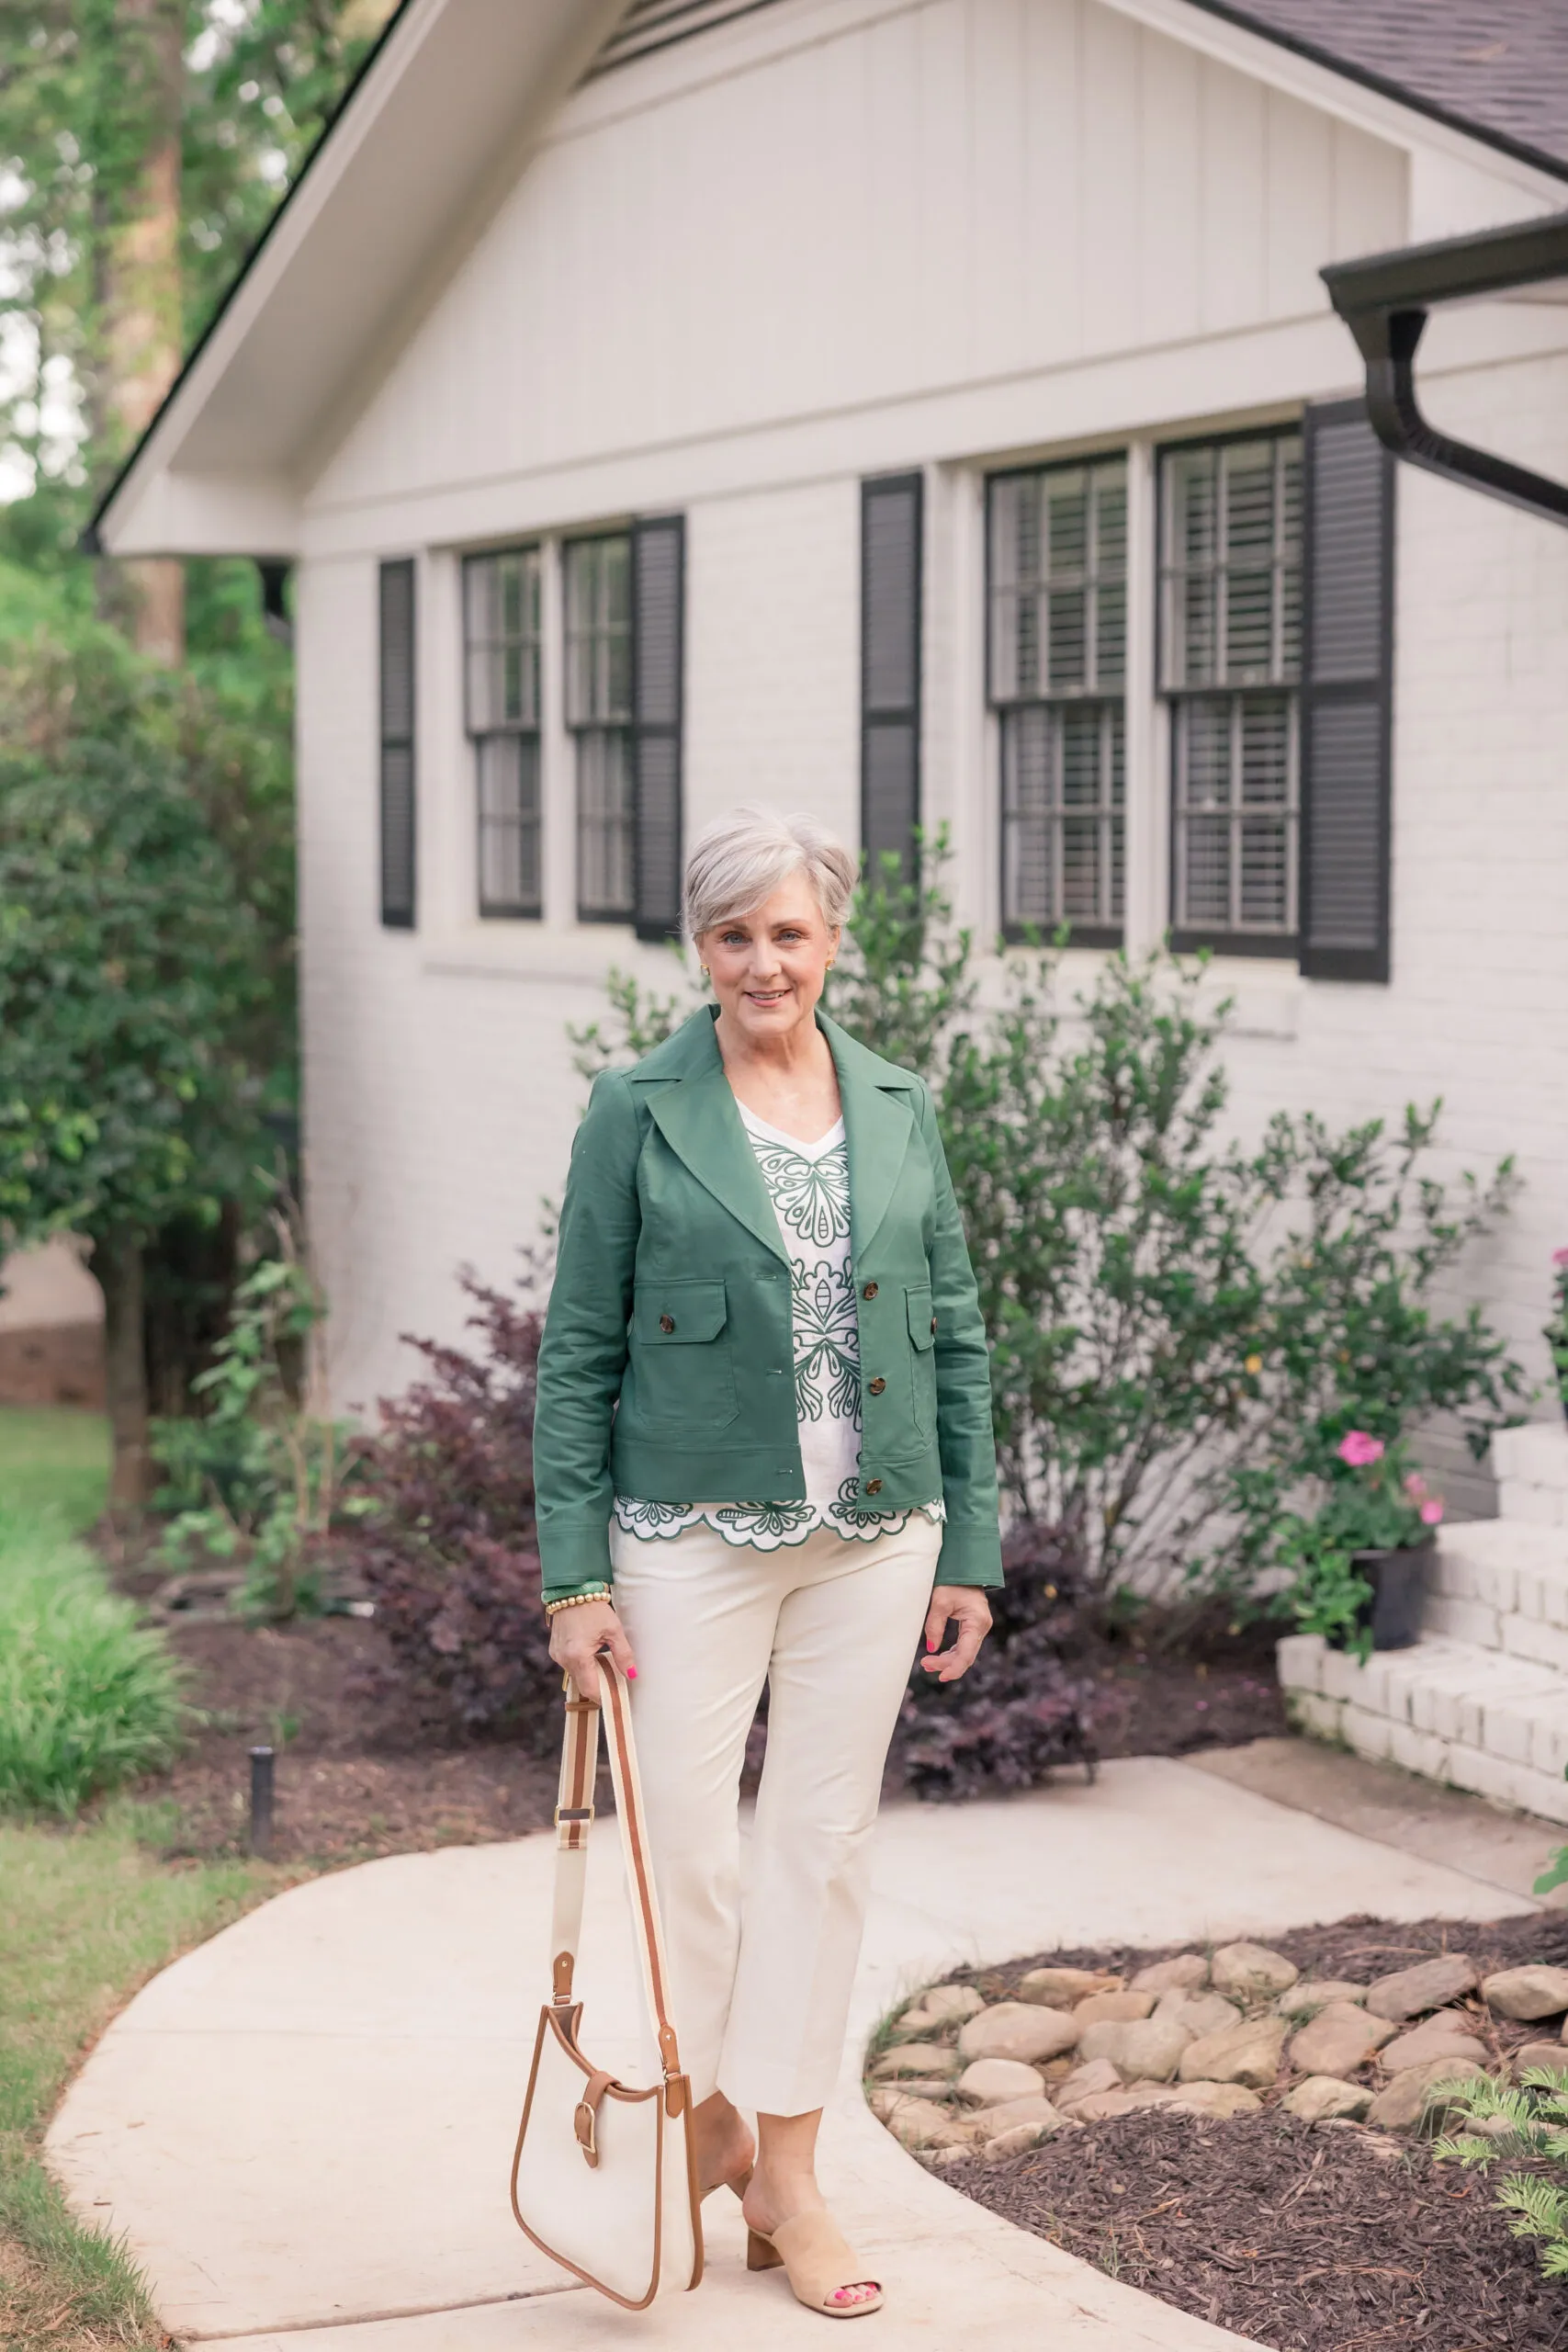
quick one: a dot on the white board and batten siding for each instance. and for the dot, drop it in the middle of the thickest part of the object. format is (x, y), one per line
(849, 234)
(824, 239)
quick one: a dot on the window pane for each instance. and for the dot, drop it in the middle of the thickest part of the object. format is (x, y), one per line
(1062, 825)
(500, 628)
(1264, 873)
(1208, 896)
(1232, 559)
(1205, 751)
(1057, 569)
(1264, 751)
(1028, 795)
(605, 821)
(509, 825)
(598, 632)
(1235, 781)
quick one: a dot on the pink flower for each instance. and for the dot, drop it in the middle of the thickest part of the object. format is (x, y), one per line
(1415, 1485)
(1432, 1512)
(1559, 1257)
(1359, 1449)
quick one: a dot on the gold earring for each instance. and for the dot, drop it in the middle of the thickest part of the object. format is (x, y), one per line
(704, 970)
(831, 961)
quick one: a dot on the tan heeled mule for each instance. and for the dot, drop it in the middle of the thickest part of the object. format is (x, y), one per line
(740, 2182)
(818, 2262)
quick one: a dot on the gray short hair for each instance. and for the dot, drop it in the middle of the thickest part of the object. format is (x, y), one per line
(743, 858)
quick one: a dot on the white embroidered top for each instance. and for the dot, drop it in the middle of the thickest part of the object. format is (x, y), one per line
(809, 1187)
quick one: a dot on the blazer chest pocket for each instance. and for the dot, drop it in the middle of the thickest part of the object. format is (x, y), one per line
(681, 1350)
(922, 1360)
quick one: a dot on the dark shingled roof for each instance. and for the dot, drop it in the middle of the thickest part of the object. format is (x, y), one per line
(1495, 67)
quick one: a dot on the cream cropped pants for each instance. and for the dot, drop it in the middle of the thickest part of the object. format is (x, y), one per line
(762, 1954)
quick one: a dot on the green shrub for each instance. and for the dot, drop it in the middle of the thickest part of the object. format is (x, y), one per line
(257, 1478)
(89, 1697)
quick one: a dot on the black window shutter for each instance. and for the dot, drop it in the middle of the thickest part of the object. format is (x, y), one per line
(890, 670)
(397, 744)
(659, 563)
(1347, 696)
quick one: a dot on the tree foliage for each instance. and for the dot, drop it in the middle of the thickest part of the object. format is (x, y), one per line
(78, 106)
(145, 959)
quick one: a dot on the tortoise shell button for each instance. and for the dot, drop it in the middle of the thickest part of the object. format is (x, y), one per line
(878, 1386)
(933, 1322)
(873, 1485)
(870, 1291)
(667, 1322)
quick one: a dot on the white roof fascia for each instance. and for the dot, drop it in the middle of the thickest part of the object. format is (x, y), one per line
(1337, 91)
(161, 507)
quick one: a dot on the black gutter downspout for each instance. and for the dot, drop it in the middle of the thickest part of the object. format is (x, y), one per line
(1384, 301)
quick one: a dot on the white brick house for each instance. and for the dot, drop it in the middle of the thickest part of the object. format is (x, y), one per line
(606, 365)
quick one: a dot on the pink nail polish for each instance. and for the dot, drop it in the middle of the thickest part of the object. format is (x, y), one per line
(930, 1641)
(631, 1674)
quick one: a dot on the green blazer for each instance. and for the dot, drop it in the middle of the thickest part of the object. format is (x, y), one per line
(665, 1368)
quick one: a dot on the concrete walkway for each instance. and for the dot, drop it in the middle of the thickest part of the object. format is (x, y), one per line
(304, 2128)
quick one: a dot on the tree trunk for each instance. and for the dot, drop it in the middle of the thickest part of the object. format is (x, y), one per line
(143, 289)
(116, 1262)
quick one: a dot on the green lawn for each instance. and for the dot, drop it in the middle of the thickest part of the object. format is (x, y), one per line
(54, 1458)
(86, 1915)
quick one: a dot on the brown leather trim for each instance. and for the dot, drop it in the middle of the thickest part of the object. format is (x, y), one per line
(626, 2303)
(668, 2054)
(560, 1973)
(565, 2031)
(693, 2196)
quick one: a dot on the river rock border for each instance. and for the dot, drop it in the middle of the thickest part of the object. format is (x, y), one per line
(1215, 2032)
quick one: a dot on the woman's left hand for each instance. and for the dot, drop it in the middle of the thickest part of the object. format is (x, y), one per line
(965, 1606)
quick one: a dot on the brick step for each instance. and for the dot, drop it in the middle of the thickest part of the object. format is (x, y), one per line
(1502, 1584)
(1475, 1717)
(1531, 1463)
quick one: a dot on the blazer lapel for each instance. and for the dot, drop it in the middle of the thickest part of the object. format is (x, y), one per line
(699, 1119)
(878, 1127)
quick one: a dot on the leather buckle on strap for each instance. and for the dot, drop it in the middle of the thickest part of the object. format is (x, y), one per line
(574, 1813)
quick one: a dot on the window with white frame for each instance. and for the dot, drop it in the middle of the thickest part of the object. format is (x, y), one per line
(598, 582)
(1056, 563)
(500, 652)
(1230, 668)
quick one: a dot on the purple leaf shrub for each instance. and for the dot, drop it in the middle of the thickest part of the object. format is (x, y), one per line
(446, 1544)
(1020, 1709)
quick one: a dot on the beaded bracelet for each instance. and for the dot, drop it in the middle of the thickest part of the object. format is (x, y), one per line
(572, 1599)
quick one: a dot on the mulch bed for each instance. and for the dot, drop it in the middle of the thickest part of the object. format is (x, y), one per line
(1300, 2236)
(362, 1771)
(359, 1771)
(1307, 2238)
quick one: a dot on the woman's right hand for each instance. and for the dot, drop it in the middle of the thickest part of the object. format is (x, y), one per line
(577, 1636)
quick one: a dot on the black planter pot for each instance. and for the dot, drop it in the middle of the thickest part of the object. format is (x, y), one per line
(1398, 1579)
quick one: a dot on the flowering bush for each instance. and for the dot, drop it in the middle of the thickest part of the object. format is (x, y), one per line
(1373, 1502)
(1556, 1334)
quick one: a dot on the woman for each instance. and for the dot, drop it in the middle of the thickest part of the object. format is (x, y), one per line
(762, 1197)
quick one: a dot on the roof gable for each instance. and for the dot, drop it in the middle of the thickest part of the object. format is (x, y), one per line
(429, 143)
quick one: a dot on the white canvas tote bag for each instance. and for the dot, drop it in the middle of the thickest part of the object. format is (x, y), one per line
(604, 2178)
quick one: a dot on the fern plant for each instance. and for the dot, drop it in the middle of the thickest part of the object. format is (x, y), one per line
(1526, 2121)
